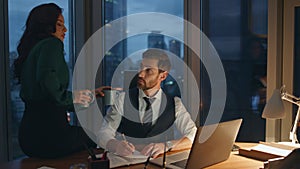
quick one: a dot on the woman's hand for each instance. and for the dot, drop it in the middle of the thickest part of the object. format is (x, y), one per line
(82, 97)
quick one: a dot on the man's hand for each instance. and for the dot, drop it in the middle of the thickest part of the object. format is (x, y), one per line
(125, 148)
(153, 149)
(99, 90)
(122, 148)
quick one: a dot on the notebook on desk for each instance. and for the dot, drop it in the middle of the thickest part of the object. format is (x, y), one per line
(215, 149)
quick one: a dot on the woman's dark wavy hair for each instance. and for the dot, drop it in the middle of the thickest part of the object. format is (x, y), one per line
(40, 24)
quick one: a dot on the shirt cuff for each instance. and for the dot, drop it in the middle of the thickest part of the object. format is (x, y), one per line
(192, 134)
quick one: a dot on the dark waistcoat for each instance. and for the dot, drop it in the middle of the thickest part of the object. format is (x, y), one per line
(130, 124)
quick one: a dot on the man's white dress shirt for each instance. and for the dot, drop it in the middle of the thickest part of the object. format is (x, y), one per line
(183, 122)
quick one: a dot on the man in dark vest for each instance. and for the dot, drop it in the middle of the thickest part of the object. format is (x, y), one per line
(144, 118)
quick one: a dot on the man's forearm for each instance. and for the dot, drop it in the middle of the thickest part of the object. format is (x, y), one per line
(181, 144)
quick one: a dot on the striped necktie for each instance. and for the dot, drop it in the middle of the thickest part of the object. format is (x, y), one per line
(148, 111)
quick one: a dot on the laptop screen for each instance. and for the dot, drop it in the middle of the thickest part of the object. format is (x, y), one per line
(215, 149)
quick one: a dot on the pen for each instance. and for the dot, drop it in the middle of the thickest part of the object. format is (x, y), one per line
(124, 138)
(148, 159)
(164, 157)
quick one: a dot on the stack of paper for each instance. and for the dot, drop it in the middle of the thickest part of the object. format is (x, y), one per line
(265, 151)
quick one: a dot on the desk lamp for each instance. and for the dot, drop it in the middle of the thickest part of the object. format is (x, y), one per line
(274, 109)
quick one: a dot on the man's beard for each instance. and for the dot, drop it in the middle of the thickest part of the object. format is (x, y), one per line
(143, 86)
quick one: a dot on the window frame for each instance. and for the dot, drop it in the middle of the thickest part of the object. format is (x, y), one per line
(5, 155)
(192, 16)
(288, 62)
(274, 63)
(280, 62)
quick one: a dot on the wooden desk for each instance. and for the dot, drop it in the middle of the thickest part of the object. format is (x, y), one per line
(234, 162)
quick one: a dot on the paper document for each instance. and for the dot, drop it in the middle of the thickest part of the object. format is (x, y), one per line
(117, 160)
(273, 150)
(267, 150)
(136, 154)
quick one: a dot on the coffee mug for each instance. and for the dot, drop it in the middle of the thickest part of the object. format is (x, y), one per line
(110, 96)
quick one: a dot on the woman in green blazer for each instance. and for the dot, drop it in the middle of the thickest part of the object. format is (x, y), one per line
(44, 77)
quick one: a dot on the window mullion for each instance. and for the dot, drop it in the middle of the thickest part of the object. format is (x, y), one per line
(4, 114)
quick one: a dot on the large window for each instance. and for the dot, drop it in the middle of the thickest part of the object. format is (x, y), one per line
(240, 39)
(239, 36)
(18, 11)
(114, 9)
(129, 50)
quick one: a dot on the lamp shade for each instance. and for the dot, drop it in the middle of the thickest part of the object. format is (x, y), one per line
(274, 108)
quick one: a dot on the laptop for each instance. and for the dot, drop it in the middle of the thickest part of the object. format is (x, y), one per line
(215, 149)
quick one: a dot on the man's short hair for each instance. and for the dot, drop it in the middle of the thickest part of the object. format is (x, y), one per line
(162, 57)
